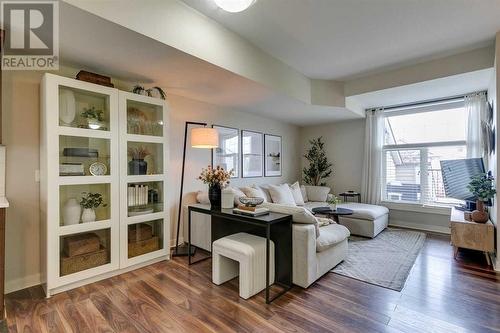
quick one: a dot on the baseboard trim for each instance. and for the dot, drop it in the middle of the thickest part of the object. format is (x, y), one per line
(22, 283)
(172, 242)
(417, 226)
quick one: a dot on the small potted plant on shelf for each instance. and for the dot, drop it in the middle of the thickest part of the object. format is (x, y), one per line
(482, 188)
(137, 166)
(216, 178)
(94, 117)
(333, 201)
(89, 202)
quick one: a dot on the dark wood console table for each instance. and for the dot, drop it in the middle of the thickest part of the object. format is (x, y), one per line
(274, 226)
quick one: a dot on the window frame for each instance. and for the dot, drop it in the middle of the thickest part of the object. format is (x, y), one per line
(422, 147)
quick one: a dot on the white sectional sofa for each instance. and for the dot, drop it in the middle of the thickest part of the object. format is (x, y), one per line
(367, 220)
(319, 244)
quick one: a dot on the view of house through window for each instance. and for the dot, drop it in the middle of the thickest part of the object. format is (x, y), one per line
(415, 141)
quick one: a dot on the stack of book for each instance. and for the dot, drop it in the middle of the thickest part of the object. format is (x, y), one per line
(251, 211)
(137, 195)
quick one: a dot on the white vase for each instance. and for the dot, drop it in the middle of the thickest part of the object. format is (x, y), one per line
(227, 198)
(88, 215)
(333, 206)
(94, 123)
(71, 212)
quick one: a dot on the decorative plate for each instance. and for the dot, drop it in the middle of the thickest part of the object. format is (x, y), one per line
(98, 169)
(67, 106)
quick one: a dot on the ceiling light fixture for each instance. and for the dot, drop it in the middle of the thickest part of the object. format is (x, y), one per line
(234, 6)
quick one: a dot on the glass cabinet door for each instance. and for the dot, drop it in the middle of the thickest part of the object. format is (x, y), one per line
(83, 109)
(144, 118)
(143, 162)
(145, 237)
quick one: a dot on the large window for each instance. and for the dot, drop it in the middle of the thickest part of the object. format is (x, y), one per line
(415, 141)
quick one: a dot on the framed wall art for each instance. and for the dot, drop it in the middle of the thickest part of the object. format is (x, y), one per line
(273, 155)
(227, 155)
(252, 154)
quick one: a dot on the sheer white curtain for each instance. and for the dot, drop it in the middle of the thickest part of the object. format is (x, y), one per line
(475, 105)
(371, 182)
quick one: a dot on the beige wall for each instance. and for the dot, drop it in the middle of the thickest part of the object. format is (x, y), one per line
(344, 144)
(20, 103)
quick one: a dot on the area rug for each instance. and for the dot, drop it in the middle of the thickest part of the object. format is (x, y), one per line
(385, 260)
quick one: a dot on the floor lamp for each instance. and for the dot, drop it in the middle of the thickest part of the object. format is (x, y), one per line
(201, 137)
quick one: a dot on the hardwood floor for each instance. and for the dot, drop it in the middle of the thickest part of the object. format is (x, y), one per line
(441, 295)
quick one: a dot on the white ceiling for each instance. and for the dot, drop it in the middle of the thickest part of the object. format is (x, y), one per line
(342, 39)
(92, 43)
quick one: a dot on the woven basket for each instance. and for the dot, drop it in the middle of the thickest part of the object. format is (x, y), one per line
(145, 246)
(85, 261)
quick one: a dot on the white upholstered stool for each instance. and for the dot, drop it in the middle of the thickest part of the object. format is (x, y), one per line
(250, 252)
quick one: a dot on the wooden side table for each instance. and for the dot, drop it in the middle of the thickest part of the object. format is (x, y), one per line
(471, 235)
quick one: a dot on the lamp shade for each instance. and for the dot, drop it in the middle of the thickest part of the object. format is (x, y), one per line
(204, 137)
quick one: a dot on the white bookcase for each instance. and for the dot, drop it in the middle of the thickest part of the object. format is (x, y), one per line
(84, 150)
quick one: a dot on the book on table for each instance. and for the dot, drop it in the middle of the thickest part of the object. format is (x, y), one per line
(255, 211)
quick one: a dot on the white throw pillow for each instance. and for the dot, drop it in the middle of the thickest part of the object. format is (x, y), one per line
(317, 193)
(202, 197)
(297, 194)
(254, 192)
(299, 214)
(304, 193)
(237, 195)
(281, 194)
(265, 190)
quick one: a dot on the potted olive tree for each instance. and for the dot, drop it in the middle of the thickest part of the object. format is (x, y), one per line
(319, 167)
(482, 188)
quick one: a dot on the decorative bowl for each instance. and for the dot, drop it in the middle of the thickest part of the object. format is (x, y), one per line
(251, 201)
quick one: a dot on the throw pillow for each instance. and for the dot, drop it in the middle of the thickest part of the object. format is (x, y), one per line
(202, 197)
(265, 190)
(297, 194)
(237, 195)
(299, 214)
(317, 193)
(254, 192)
(304, 193)
(281, 194)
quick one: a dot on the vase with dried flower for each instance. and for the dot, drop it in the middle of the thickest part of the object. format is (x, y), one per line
(89, 202)
(137, 166)
(217, 178)
(482, 188)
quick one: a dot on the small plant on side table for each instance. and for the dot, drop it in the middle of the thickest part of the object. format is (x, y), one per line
(482, 188)
(89, 202)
